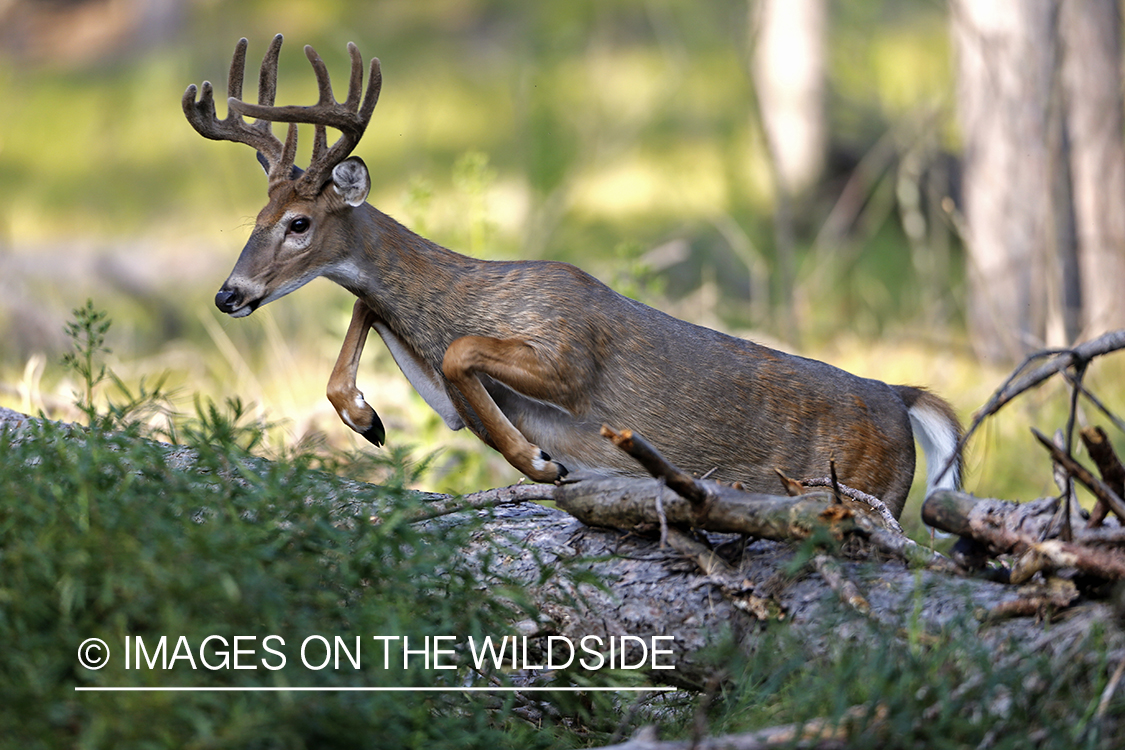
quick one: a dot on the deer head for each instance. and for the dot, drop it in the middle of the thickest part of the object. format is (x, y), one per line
(300, 233)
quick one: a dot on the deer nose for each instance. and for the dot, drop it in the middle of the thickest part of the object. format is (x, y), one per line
(227, 300)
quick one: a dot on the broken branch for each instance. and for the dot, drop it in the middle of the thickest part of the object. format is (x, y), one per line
(1109, 466)
(1100, 489)
(681, 483)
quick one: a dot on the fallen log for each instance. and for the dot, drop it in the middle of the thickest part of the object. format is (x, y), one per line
(579, 580)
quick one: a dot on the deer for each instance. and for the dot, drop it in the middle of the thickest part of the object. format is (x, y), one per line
(534, 356)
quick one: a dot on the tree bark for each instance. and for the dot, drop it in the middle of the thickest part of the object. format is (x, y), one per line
(1016, 201)
(1095, 112)
(658, 591)
(789, 75)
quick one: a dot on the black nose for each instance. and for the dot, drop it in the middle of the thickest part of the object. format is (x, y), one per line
(226, 300)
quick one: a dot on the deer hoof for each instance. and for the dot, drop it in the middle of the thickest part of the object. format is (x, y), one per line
(545, 469)
(375, 433)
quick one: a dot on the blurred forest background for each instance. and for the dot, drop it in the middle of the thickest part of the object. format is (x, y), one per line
(914, 190)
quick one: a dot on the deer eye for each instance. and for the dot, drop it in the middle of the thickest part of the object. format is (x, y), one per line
(300, 225)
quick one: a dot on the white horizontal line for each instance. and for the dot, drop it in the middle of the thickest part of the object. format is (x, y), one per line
(568, 689)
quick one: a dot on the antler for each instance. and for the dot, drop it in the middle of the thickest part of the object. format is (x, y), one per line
(202, 115)
(350, 117)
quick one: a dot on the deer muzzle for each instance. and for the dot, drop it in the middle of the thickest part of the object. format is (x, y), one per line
(232, 303)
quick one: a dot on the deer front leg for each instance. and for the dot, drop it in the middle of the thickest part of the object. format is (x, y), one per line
(516, 365)
(342, 390)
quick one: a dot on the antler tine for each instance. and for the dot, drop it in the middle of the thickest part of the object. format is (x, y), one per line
(352, 122)
(323, 80)
(205, 120)
(374, 86)
(237, 70)
(350, 117)
(355, 83)
(267, 77)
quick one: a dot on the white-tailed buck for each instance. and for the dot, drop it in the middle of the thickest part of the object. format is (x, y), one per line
(534, 356)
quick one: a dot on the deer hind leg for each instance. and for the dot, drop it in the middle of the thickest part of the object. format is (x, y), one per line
(516, 365)
(342, 390)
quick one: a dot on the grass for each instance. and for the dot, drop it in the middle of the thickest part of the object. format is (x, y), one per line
(945, 692)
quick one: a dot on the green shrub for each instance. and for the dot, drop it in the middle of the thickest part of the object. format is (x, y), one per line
(107, 534)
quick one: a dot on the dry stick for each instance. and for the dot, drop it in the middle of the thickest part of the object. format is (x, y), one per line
(703, 556)
(636, 446)
(1072, 417)
(1005, 526)
(1117, 421)
(514, 495)
(1065, 358)
(1109, 465)
(1107, 694)
(792, 487)
(844, 587)
(835, 484)
(1065, 483)
(854, 494)
(1100, 489)
(727, 509)
(1053, 554)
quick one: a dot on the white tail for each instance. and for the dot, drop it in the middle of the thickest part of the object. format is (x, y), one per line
(939, 433)
(533, 357)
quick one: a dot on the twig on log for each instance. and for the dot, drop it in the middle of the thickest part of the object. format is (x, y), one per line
(844, 587)
(1001, 525)
(792, 487)
(514, 495)
(1100, 489)
(624, 504)
(1064, 358)
(703, 556)
(1109, 466)
(1065, 483)
(835, 483)
(860, 496)
(1017, 527)
(1055, 554)
(681, 483)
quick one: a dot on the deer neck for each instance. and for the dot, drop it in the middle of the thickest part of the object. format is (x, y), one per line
(407, 280)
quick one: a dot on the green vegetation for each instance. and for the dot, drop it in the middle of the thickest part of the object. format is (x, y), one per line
(944, 691)
(107, 534)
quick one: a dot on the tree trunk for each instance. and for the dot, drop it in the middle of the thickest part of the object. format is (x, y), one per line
(1095, 110)
(1011, 128)
(788, 70)
(658, 591)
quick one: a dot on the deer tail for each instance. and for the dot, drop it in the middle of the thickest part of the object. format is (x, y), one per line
(938, 431)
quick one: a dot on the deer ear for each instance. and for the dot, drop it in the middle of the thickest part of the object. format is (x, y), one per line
(351, 180)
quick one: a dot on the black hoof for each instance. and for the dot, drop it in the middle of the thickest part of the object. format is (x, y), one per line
(562, 472)
(375, 433)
